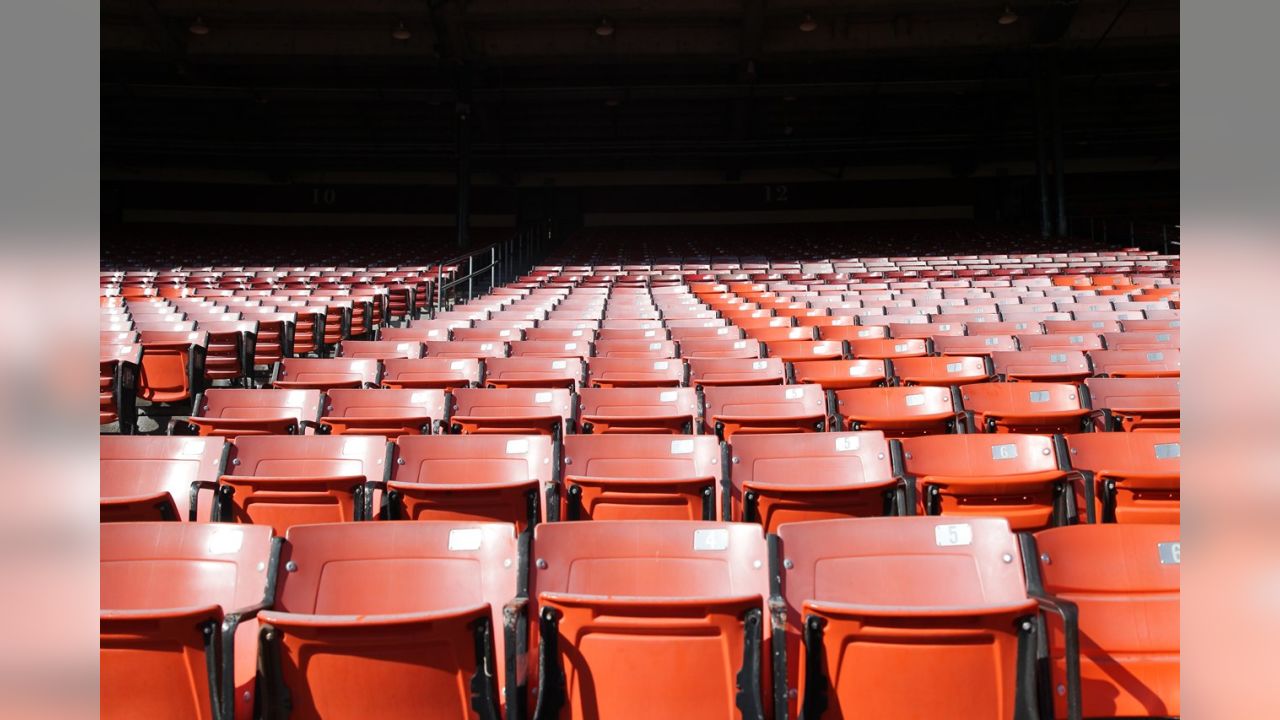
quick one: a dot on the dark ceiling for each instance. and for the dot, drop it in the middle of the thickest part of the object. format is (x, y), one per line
(283, 86)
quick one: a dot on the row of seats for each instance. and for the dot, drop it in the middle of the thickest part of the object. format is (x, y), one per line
(1099, 404)
(871, 617)
(1033, 481)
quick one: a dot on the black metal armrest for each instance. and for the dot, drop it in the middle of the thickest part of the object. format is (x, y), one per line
(366, 499)
(515, 627)
(193, 501)
(1070, 615)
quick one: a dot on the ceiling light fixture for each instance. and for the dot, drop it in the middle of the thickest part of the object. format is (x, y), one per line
(1009, 17)
(604, 28)
(808, 24)
(401, 32)
(198, 27)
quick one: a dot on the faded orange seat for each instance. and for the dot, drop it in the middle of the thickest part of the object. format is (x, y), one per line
(617, 372)
(232, 412)
(641, 477)
(907, 617)
(1017, 477)
(638, 410)
(432, 372)
(1025, 407)
(325, 373)
(283, 481)
(533, 411)
(383, 412)
(499, 478)
(716, 372)
(1127, 477)
(776, 479)
(178, 620)
(1125, 581)
(380, 349)
(1129, 403)
(649, 619)
(898, 411)
(1041, 365)
(764, 409)
(840, 374)
(413, 610)
(172, 367)
(147, 478)
(1136, 363)
(942, 370)
(536, 372)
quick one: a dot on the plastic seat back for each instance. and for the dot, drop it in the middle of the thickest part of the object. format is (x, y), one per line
(463, 349)
(776, 479)
(613, 596)
(1017, 477)
(172, 367)
(413, 609)
(325, 373)
(545, 372)
(942, 370)
(889, 614)
(1127, 477)
(551, 348)
(166, 591)
(231, 412)
(644, 349)
(635, 410)
(283, 481)
(720, 348)
(899, 411)
(531, 411)
(380, 349)
(1160, 340)
(708, 372)
(608, 372)
(432, 372)
(1025, 407)
(641, 477)
(1136, 363)
(118, 371)
(798, 350)
(974, 345)
(840, 374)
(145, 478)
(503, 478)
(1135, 403)
(764, 409)
(383, 412)
(1125, 581)
(1041, 365)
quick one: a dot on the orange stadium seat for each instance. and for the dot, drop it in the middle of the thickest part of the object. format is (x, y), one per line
(1124, 581)
(150, 478)
(471, 478)
(231, 412)
(635, 372)
(930, 614)
(382, 412)
(172, 367)
(941, 370)
(283, 481)
(1041, 365)
(1136, 363)
(610, 597)
(1025, 407)
(380, 349)
(463, 349)
(411, 609)
(634, 410)
(840, 374)
(1017, 477)
(1126, 477)
(432, 372)
(179, 617)
(764, 409)
(1128, 403)
(717, 372)
(720, 348)
(776, 479)
(534, 411)
(641, 477)
(898, 411)
(544, 372)
(325, 373)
